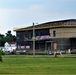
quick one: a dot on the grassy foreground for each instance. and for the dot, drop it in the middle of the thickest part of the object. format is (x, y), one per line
(28, 65)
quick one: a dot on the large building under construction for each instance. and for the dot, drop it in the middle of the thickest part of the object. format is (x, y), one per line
(56, 35)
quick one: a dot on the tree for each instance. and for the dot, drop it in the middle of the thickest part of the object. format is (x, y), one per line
(1, 36)
(8, 37)
(1, 39)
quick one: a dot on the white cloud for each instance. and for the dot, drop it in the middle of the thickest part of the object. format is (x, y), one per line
(25, 17)
(11, 18)
(4, 18)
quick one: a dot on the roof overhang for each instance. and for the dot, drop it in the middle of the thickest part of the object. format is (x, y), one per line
(54, 24)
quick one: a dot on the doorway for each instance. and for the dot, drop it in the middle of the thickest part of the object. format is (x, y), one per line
(55, 45)
(49, 45)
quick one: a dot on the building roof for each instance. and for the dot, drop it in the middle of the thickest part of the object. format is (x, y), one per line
(53, 24)
(11, 42)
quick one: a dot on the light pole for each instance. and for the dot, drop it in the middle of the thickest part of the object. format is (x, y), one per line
(33, 40)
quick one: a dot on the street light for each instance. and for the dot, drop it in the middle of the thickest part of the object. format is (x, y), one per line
(33, 40)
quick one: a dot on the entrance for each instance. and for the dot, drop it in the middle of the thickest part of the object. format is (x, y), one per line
(55, 46)
(49, 45)
(73, 43)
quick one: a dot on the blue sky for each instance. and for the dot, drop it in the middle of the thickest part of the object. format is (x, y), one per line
(22, 13)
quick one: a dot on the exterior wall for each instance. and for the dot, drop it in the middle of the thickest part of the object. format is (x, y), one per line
(24, 38)
(73, 43)
(6, 45)
(63, 32)
(62, 39)
(60, 33)
(9, 47)
(62, 43)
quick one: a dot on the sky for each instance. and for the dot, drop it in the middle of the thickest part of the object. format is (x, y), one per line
(22, 13)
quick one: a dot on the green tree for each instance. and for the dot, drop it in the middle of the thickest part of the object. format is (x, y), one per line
(9, 37)
(1, 39)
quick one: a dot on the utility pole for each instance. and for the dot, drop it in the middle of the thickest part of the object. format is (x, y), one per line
(33, 40)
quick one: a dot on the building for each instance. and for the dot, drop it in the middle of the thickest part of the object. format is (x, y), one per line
(56, 35)
(9, 46)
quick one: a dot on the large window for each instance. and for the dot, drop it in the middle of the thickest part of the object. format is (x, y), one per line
(42, 32)
(29, 36)
(18, 36)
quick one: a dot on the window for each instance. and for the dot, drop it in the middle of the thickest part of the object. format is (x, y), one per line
(30, 36)
(18, 35)
(54, 33)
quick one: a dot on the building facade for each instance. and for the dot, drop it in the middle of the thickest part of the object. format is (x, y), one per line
(9, 46)
(56, 35)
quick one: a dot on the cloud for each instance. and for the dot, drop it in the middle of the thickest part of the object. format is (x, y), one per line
(4, 18)
(10, 18)
(22, 17)
(25, 16)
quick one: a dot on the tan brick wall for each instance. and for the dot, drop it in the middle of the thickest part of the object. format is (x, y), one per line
(63, 32)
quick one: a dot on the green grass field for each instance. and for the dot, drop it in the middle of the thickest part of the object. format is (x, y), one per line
(40, 65)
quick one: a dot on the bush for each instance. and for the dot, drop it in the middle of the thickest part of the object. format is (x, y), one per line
(1, 55)
(36, 53)
(31, 53)
(1, 58)
(2, 52)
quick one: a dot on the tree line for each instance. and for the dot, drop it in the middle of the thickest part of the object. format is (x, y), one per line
(8, 37)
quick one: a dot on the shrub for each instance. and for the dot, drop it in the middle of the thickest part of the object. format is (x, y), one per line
(36, 53)
(2, 52)
(1, 55)
(0, 58)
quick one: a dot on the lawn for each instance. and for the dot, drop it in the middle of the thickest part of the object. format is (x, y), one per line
(40, 65)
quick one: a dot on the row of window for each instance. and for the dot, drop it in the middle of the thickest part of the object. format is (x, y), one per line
(30, 35)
